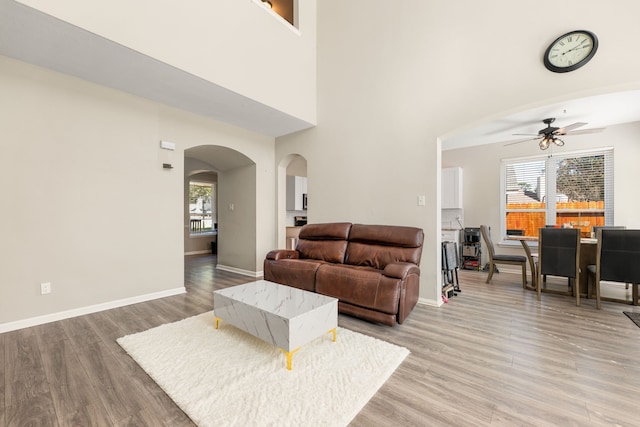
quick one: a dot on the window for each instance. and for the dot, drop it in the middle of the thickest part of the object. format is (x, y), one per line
(202, 211)
(566, 190)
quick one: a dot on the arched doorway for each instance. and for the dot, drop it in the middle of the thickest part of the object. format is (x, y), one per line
(292, 198)
(233, 179)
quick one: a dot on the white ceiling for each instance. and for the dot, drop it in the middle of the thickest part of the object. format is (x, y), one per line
(597, 111)
(34, 37)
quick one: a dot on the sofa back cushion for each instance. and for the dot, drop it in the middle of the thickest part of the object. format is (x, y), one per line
(378, 245)
(326, 242)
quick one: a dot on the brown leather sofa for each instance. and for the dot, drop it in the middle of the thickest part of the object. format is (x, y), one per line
(373, 270)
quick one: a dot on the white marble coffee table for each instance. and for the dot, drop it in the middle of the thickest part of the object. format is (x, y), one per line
(281, 315)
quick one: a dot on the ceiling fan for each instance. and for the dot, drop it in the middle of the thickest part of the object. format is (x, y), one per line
(551, 134)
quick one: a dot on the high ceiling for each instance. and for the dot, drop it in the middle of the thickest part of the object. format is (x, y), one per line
(34, 37)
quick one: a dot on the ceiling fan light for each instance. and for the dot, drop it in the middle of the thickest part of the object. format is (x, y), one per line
(558, 142)
(544, 143)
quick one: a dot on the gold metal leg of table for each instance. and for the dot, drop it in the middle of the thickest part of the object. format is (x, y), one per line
(217, 320)
(290, 354)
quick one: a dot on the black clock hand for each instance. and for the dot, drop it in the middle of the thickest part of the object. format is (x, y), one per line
(580, 46)
(573, 48)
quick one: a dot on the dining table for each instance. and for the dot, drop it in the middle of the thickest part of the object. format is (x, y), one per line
(588, 252)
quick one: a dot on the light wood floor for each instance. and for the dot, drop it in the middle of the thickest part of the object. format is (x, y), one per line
(494, 355)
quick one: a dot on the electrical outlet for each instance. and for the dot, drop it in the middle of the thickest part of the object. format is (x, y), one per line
(45, 288)
(422, 200)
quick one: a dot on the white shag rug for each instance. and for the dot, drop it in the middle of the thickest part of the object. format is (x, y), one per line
(226, 377)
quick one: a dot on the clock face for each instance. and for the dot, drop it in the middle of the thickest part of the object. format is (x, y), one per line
(571, 51)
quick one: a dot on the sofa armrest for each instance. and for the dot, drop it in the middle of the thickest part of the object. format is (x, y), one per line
(283, 254)
(400, 270)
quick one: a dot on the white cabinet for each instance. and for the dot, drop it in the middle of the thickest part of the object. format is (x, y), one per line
(451, 190)
(296, 187)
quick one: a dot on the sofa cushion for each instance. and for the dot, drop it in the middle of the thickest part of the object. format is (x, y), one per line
(361, 286)
(376, 246)
(326, 242)
(298, 273)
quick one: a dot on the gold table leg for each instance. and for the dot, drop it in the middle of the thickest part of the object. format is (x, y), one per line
(290, 354)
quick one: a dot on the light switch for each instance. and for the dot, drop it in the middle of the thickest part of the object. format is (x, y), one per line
(422, 200)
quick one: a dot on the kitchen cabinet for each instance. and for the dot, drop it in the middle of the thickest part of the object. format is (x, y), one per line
(296, 187)
(451, 188)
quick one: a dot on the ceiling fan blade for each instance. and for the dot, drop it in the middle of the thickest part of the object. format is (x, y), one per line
(563, 130)
(526, 134)
(583, 131)
(518, 141)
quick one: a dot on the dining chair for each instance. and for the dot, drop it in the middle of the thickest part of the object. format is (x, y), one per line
(502, 258)
(592, 271)
(617, 260)
(595, 228)
(533, 262)
(559, 255)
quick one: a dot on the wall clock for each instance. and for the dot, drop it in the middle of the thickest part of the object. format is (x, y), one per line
(570, 51)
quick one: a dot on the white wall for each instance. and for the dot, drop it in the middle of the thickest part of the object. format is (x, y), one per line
(86, 204)
(237, 217)
(393, 78)
(236, 44)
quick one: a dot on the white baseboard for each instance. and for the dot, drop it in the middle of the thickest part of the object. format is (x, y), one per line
(239, 271)
(206, 251)
(54, 317)
(430, 302)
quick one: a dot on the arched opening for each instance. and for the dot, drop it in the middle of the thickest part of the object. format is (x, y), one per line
(292, 199)
(227, 222)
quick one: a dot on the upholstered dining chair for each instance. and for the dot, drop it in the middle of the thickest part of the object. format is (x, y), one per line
(559, 255)
(595, 228)
(592, 270)
(501, 258)
(617, 260)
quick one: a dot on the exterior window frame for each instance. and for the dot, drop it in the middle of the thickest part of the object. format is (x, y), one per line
(213, 210)
(550, 185)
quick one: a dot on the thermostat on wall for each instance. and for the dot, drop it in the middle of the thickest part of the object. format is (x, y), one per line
(167, 145)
